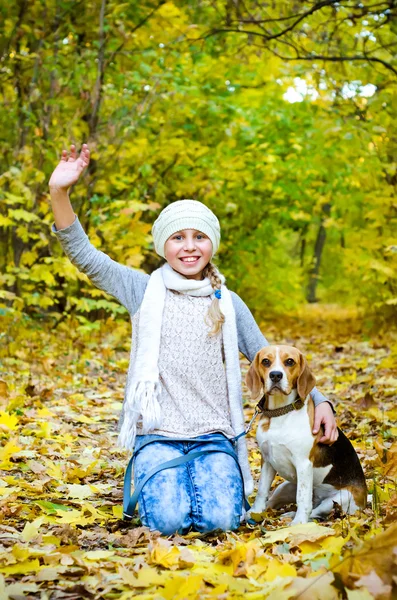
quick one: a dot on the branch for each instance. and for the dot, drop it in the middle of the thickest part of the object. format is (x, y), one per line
(314, 9)
(340, 59)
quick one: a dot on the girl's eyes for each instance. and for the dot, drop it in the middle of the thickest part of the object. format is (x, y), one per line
(198, 236)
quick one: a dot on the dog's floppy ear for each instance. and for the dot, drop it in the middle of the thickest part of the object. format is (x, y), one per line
(306, 380)
(253, 378)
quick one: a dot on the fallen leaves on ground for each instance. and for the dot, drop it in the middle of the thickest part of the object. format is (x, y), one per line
(61, 477)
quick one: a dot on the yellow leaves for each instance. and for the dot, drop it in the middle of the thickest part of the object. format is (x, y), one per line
(21, 568)
(278, 569)
(361, 594)
(19, 214)
(39, 272)
(163, 553)
(31, 530)
(222, 575)
(146, 577)
(387, 458)
(98, 554)
(8, 450)
(29, 257)
(19, 553)
(8, 422)
(298, 533)
(79, 472)
(86, 516)
(169, 11)
(241, 556)
(334, 544)
(378, 553)
(35, 487)
(44, 430)
(63, 500)
(44, 412)
(178, 587)
(81, 492)
(5, 221)
(54, 470)
(117, 511)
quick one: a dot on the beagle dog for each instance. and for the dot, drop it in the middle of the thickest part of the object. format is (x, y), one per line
(316, 475)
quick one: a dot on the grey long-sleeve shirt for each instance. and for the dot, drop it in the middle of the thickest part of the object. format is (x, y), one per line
(128, 286)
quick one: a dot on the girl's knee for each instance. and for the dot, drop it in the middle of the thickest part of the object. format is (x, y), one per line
(217, 517)
(166, 522)
(165, 516)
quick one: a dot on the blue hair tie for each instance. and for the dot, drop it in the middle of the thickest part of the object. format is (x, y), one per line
(218, 294)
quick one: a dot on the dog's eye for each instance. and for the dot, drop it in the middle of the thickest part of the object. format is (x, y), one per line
(289, 362)
(266, 362)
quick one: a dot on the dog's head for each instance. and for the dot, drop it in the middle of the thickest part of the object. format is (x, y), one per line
(279, 369)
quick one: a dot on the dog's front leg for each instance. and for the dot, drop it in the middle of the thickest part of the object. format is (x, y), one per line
(265, 482)
(304, 492)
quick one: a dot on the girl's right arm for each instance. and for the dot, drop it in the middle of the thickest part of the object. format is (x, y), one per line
(125, 284)
(65, 175)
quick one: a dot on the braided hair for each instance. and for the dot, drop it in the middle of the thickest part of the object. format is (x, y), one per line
(214, 315)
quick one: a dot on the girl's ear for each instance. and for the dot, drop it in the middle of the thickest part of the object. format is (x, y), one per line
(253, 378)
(306, 380)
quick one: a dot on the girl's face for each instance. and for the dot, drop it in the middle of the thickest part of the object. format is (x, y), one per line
(188, 251)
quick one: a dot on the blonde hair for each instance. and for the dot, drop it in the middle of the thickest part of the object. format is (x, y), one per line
(214, 315)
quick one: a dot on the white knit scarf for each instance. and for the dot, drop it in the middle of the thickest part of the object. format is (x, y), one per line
(144, 387)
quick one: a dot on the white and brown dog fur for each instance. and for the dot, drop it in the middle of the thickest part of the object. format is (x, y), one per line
(316, 475)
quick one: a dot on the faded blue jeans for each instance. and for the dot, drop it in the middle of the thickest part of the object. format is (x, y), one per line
(203, 494)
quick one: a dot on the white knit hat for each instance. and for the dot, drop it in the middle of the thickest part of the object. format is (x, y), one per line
(185, 214)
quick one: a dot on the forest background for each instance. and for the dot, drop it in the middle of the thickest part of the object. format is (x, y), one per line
(279, 116)
(284, 128)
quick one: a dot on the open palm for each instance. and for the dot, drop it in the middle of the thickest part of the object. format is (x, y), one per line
(70, 167)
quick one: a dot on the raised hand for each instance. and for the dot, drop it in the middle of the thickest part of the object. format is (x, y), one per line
(70, 168)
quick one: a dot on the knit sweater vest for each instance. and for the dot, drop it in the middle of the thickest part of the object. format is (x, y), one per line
(194, 398)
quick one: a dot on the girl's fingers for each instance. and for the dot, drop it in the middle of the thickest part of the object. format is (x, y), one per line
(72, 152)
(85, 155)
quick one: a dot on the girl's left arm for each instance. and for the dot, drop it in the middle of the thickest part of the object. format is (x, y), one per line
(251, 340)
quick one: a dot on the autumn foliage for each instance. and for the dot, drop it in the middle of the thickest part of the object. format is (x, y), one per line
(194, 100)
(173, 107)
(62, 474)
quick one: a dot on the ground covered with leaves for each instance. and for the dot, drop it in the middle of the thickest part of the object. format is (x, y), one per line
(61, 532)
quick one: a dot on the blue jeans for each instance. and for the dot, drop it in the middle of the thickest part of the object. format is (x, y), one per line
(203, 494)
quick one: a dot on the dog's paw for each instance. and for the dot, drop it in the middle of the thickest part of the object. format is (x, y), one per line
(299, 520)
(258, 508)
(289, 515)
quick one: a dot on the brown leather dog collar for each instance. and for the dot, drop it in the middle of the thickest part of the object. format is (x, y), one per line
(278, 412)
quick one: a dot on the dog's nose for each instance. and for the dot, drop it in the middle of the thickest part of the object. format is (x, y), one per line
(276, 376)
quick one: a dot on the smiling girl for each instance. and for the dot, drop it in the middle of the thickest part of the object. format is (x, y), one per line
(184, 384)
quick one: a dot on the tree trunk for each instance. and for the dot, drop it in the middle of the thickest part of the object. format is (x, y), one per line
(318, 250)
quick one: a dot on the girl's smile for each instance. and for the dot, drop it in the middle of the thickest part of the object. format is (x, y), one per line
(188, 251)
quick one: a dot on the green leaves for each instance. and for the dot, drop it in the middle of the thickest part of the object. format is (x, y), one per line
(177, 116)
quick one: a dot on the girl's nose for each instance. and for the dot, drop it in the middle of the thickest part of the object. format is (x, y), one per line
(190, 244)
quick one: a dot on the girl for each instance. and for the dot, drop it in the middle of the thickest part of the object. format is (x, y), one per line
(184, 379)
